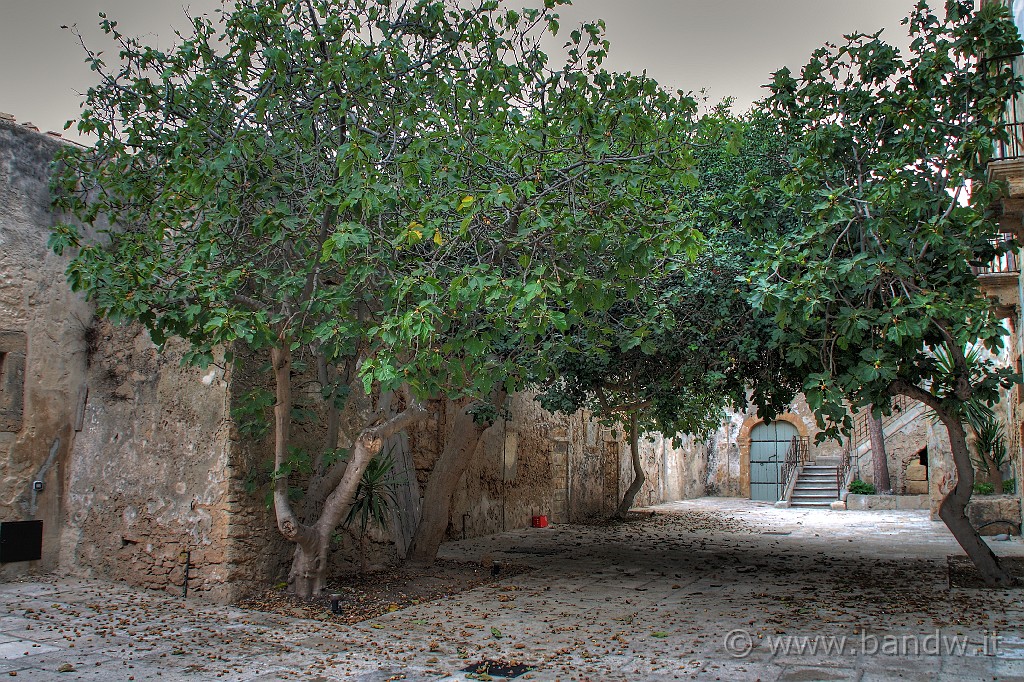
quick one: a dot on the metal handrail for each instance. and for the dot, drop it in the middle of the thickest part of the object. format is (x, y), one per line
(860, 433)
(796, 455)
(843, 470)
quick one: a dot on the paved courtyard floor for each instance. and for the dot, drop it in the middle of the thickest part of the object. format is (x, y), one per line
(710, 589)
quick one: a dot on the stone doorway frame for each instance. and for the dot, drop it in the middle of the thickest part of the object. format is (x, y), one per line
(743, 440)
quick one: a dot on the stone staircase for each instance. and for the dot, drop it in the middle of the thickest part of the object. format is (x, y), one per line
(816, 486)
(894, 423)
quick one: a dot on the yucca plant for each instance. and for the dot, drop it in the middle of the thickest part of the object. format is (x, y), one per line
(374, 499)
(973, 411)
(990, 453)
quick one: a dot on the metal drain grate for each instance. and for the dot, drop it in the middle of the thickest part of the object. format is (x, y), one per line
(506, 669)
(536, 551)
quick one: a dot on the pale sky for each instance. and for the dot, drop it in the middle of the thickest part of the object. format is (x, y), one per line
(727, 47)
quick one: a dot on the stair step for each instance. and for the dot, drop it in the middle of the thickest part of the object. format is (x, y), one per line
(814, 496)
(814, 468)
(810, 505)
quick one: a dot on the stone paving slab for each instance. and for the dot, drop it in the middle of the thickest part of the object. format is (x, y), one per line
(647, 600)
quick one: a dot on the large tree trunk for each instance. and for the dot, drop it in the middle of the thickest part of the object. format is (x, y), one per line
(308, 576)
(639, 478)
(437, 498)
(305, 538)
(879, 458)
(953, 508)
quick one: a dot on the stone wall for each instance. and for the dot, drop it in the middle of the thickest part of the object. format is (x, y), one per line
(675, 470)
(148, 483)
(568, 467)
(521, 468)
(42, 347)
(131, 449)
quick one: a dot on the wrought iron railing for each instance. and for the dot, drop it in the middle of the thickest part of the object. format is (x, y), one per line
(861, 432)
(1013, 114)
(843, 470)
(796, 455)
(1003, 264)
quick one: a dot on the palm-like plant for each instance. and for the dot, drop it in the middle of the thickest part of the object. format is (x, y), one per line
(990, 449)
(974, 411)
(990, 452)
(374, 499)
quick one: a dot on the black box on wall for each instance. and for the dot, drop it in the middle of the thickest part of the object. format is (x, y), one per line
(21, 541)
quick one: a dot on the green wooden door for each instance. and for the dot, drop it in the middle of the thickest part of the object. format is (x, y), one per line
(768, 446)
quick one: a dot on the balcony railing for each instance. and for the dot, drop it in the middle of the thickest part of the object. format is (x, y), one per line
(1004, 264)
(1013, 114)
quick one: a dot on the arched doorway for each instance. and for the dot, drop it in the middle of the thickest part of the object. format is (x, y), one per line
(769, 442)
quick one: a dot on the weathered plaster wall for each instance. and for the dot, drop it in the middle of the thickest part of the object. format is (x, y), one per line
(42, 327)
(673, 472)
(148, 483)
(567, 467)
(130, 447)
(521, 468)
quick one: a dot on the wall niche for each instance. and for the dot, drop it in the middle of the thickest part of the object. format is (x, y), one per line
(13, 346)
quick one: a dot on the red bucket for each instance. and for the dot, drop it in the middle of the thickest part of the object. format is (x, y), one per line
(539, 521)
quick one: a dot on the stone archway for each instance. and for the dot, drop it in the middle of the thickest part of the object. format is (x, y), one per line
(743, 440)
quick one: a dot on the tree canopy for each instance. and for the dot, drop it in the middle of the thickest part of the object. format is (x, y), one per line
(675, 358)
(875, 280)
(396, 176)
(407, 192)
(693, 344)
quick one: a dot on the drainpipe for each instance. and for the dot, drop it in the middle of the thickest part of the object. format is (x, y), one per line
(39, 480)
(187, 555)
